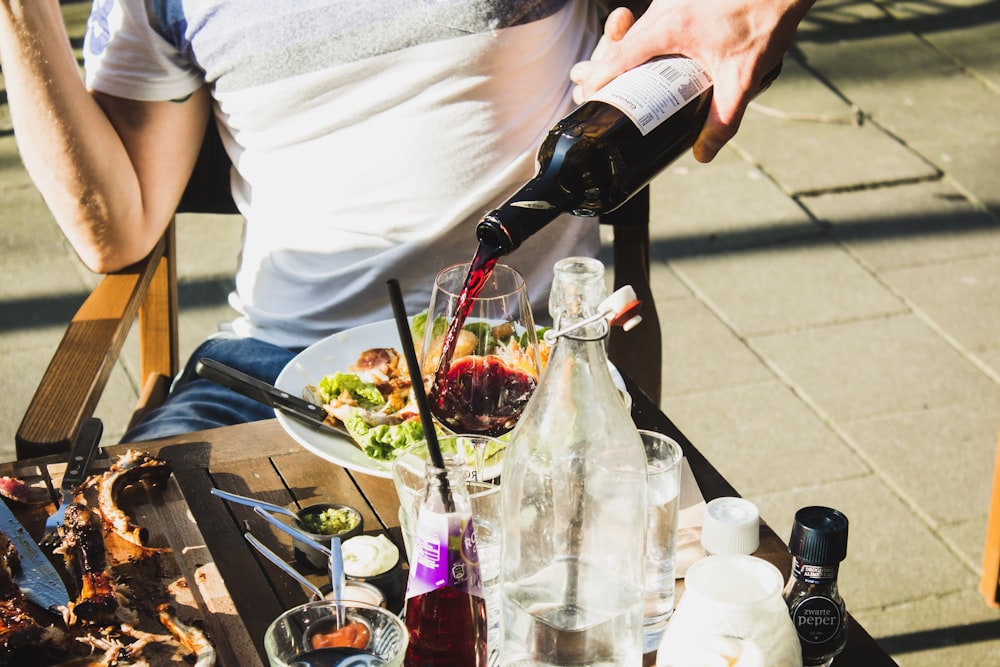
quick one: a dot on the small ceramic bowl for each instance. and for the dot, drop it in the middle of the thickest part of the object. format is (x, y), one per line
(375, 561)
(308, 555)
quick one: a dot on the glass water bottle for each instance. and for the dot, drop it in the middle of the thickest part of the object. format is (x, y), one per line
(573, 501)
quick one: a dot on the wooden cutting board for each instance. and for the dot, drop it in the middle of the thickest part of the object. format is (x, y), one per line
(175, 568)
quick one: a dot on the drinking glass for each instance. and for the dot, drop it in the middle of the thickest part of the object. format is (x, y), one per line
(296, 632)
(485, 371)
(663, 484)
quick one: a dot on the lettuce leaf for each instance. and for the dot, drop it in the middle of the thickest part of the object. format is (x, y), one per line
(380, 442)
(365, 393)
(438, 326)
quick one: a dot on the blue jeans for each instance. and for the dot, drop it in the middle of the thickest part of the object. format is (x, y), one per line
(195, 404)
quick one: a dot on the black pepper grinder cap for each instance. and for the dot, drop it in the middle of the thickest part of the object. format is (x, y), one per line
(819, 536)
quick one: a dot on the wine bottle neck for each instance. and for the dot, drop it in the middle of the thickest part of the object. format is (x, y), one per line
(529, 209)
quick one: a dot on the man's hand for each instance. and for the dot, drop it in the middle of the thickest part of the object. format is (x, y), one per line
(736, 41)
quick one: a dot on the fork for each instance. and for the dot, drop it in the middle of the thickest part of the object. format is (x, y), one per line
(81, 455)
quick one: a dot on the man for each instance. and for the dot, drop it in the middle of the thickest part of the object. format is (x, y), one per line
(367, 138)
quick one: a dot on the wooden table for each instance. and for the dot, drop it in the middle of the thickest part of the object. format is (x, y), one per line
(243, 592)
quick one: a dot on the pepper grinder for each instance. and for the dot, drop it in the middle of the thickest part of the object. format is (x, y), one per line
(818, 544)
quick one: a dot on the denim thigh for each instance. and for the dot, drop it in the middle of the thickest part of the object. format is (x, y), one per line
(196, 404)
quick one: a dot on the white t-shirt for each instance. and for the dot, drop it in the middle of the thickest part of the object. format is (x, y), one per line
(368, 137)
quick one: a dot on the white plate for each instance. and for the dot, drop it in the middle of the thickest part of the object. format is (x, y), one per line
(326, 357)
(337, 353)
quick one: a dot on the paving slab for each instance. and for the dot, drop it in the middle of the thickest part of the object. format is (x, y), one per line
(699, 209)
(940, 111)
(966, 30)
(990, 359)
(12, 173)
(811, 156)
(876, 367)
(788, 286)
(953, 629)
(701, 353)
(27, 229)
(833, 20)
(907, 225)
(909, 448)
(763, 438)
(959, 297)
(967, 538)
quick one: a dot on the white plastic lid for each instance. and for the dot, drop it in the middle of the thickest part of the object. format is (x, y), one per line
(731, 526)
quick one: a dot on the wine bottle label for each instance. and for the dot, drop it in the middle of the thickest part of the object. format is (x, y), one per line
(446, 555)
(652, 92)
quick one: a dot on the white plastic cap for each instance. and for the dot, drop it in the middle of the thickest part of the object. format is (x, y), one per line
(731, 526)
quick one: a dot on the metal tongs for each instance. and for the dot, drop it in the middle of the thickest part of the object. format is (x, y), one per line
(621, 309)
(267, 510)
(282, 565)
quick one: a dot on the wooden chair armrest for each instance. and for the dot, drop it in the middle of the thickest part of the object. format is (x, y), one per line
(79, 370)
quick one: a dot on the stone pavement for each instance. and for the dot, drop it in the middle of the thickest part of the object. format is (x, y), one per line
(828, 293)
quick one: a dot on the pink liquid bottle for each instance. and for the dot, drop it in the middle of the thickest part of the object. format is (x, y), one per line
(445, 608)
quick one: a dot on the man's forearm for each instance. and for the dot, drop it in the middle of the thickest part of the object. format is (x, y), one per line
(67, 143)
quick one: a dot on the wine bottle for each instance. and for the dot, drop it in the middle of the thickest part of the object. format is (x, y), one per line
(593, 160)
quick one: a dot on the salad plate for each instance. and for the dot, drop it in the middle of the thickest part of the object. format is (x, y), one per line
(337, 353)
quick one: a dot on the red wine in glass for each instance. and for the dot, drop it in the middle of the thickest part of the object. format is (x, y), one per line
(456, 620)
(481, 395)
(477, 394)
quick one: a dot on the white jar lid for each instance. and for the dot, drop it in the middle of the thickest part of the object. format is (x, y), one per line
(731, 526)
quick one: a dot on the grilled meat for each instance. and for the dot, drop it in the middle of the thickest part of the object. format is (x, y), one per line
(131, 468)
(83, 552)
(189, 636)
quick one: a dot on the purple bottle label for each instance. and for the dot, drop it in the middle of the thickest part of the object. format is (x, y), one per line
(446, 555)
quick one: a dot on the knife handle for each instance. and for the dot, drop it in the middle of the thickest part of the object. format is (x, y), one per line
(251, 387)
(265, 393)
(81, 455)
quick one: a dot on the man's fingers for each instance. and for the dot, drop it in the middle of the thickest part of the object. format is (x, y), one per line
(590, 75)
(724, 117)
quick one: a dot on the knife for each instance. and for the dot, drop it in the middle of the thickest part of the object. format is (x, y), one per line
(77, 468)
(308, 413)
(37, 577)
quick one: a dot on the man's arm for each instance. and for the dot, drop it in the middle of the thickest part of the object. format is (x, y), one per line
(111, 170)
(737, 41)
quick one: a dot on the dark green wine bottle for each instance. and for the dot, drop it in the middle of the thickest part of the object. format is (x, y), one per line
(593, 160)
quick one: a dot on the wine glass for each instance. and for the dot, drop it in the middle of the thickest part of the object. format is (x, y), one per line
(479, 351)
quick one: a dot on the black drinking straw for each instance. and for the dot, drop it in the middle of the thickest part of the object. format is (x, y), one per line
(419, 395)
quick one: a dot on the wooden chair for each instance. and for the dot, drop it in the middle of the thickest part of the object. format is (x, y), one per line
(989, 584)
(79, 370)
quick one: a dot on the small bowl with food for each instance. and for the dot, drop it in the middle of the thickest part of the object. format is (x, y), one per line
(323, 522)
(324, 632)
(374, 560)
